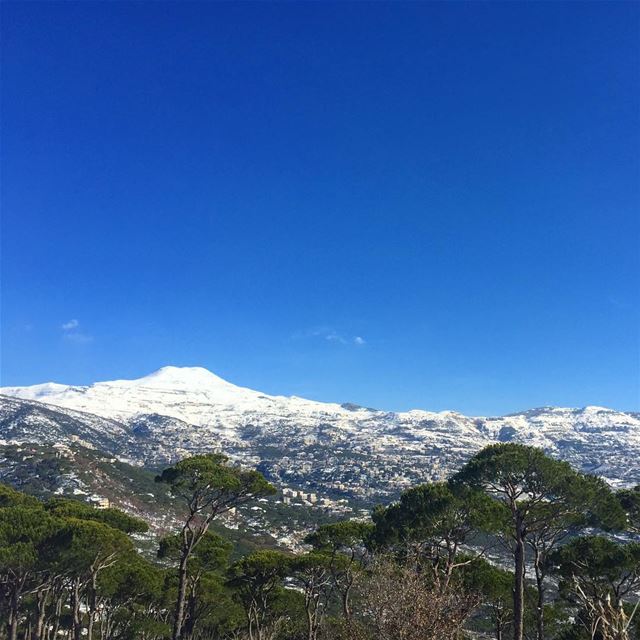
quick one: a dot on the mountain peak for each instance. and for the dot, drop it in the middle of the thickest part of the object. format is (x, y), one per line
(181, 377)
(269, 429)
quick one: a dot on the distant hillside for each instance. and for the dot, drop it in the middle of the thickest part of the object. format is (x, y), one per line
(89, 475)
(335, 451)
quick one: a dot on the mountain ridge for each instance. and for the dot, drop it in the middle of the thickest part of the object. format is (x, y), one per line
(170, 376)
(333, 448)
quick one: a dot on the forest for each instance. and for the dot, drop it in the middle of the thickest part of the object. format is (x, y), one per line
(516, 544)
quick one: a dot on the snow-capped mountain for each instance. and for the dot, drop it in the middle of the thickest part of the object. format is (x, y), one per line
(191, 394)
(328, 447)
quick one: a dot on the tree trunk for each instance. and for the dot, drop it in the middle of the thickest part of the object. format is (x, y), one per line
(346, 608)
(448, 572)
(182, 594)
(308, 606)
(92, 605)
(13, 614)
(189, 623)
(250, 621)
(41, 600)
(310, 624)
(56, 618)
(540, 601)
(314, 620)
(75, 608)
(518, 586)
(13, 617)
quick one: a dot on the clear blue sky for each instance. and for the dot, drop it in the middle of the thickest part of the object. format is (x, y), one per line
(399, 205)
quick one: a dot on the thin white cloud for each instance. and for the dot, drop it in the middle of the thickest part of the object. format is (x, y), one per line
(71, 325)
(71, 332)
(328, 334)
(78, 338)
(334, 337)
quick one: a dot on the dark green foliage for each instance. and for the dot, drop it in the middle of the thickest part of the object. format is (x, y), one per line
(546, 500)
(600, 566)
(495, 586)
(418, 569)
(11, 498)
(436, 511)
(66, 508)
(430, 523)
(207, 486)
(131, 590)
(258, 580)
(207, 482)
(347, 535)
(599, 576)
(629, 500)
(81, 545)
(212, 554)
(313, 574)
(346, 543)
(24, 528)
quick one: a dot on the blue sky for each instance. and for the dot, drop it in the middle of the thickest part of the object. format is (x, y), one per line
(399, 205)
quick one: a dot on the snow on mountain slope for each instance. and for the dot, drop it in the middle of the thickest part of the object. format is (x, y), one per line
(26, 420)
(192, 394)
(337, 448)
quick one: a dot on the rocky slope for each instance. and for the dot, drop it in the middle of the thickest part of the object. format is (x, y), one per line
(336, 450)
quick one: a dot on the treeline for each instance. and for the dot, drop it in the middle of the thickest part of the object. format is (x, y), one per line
(515, 545)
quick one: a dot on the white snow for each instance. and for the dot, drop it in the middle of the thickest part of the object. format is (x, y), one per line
(216, 409)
